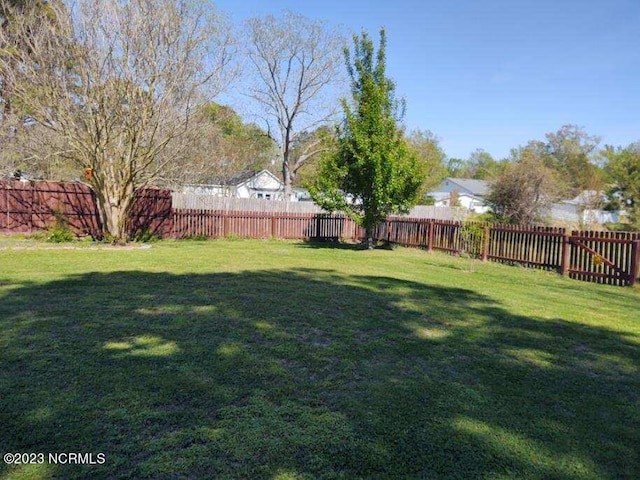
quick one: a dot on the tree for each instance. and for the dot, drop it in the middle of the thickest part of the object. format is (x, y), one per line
(570, 153)
(374, 172)
(324, 139)
(456, 167)
(623, 167)
(482, 166)
(296, 62)
(33, 150)
(117, 84)
(12, 119)
(525, 190)
(431, 155)
(228, 146)
(221, 145)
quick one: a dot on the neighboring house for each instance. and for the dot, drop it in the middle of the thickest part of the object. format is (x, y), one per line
(302, 195)
(583, 209)
(463, 192)
(250, 184)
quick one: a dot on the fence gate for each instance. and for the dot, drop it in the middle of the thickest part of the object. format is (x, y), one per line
(604, 257)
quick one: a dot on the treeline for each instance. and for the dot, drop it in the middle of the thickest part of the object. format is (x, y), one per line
(568, 163)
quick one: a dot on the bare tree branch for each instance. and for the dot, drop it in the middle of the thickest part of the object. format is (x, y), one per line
(296, 62)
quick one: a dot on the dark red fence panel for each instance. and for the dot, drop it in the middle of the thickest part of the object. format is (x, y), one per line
(28, 207)
(151, 213)
(604, 257)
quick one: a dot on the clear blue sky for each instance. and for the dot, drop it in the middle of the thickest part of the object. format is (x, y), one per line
(493, 74)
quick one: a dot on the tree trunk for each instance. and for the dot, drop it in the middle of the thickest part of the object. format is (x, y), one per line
(5, 94)
(368, 238)
(287, 177)
(114, 219)
(114, 209)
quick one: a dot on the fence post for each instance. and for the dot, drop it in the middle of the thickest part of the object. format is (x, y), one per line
(273, 225)
(430, 236)
(485, 242)
(33, 199)
(564, 265)
(225, 223)
(7, 204)
(635, 262)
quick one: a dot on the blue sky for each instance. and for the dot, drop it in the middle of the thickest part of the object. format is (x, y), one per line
(493, 74)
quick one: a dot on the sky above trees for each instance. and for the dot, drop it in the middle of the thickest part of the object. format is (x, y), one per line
(497, 73)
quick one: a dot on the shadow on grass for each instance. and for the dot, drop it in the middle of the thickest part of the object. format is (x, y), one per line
(286, 374)
(331, 245)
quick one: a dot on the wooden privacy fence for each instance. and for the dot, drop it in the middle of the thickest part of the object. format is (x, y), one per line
(603, 257)
(27, 207)
(192, 201)
(224, 223)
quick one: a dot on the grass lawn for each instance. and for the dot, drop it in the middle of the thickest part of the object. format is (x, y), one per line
(278, 360)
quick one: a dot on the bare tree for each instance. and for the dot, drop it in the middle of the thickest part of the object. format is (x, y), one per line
(221, 147)
(525, 190)
(118, 82)
(296, 63)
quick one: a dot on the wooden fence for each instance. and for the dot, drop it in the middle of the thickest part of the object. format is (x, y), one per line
(602, 257)
(27, 207)
(193, 201)
(223, 223)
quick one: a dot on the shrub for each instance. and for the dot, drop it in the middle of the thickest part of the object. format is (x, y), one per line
(146, 236)
(60, 232)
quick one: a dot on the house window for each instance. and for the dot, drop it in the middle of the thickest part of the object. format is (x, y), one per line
(259, 195)
(268, 196)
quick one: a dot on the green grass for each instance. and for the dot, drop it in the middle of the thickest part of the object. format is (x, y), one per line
(268, 359)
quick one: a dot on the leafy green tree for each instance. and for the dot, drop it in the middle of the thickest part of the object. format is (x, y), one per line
(431, 155)
(374, 171)
(322, 139)
(456, 167)
(245, 145)
(482, 166)
(571, 153)
(623, 167)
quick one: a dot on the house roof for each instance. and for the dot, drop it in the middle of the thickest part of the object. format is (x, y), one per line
(238, 178)
(440, 196)
(476, 187)
(244, 177)
(241, 177)
(588, 197)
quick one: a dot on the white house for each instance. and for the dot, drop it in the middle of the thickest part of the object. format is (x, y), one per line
(583, 209)
(464, 192)
(250, 184)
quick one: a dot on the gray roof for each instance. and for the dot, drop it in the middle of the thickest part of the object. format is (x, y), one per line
(476, 187)
(236, 178)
